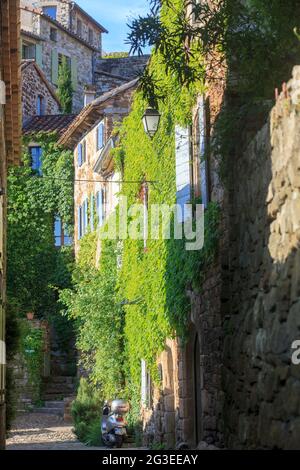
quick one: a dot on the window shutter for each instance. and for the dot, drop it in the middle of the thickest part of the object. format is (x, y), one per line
(144, 381)
(86, 220)
(54, 66)
(183, 170)
(79, 222)
(74, 73)
(79, 148)
(92, 212)
(202, 151)
(100, 208)
(100, 136)
(39, 55)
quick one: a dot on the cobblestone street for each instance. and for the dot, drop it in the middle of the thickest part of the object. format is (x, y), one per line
(34, 431)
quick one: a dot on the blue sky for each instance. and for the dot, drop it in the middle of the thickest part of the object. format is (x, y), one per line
(113, 15)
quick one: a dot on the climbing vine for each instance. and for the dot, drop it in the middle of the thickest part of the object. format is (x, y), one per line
(94, 305)
(32, 343)
(125, 314)
(35, 266)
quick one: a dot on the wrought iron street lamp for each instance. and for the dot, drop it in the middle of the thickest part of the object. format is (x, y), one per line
(151, 121)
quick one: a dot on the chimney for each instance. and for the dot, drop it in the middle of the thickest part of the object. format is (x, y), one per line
(89, 94)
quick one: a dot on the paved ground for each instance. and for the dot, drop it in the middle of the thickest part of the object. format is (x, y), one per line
(33, 431)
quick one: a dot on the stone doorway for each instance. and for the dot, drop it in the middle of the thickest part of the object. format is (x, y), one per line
(197, 390)
(191, 406)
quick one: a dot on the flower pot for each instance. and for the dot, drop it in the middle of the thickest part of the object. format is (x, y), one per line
(30, 315)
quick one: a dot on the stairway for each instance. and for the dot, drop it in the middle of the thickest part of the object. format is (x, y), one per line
(51, 408)
(56, 388)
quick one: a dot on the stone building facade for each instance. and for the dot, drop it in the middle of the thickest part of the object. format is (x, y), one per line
(38, 96)
(10, 149)
(74, 18)
(91, 138)
(113, 72)
(233, 383)
(47, 40)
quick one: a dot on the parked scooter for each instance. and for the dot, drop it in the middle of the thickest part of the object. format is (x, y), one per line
(113, 426)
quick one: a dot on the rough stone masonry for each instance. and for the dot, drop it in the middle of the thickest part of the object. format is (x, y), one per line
(261, 385)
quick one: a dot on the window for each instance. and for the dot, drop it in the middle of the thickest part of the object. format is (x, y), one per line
(79, 223)
(81, 153)
(40, 106)
(92, 210)
(146, 386)
(28, 50)
(85, 215)
(83, 219)
(61, 234)
(60, 60)
(36, 158)
(50, 11)
(91, 36)
(183, 171)
(101, 205)
(53, 34)
(100, 136)
(79, 27)
(203, 163)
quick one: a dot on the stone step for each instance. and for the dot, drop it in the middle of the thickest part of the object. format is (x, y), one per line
(59, 388)
(54, 404)
(56, 396)
(61, 379)
(49, 411)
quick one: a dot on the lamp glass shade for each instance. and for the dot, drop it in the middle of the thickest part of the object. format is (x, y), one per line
(151, 121)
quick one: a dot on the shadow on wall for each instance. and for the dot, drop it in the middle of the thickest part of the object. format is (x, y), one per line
(262, 387)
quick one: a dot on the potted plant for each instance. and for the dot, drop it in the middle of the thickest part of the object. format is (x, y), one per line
(30, 315)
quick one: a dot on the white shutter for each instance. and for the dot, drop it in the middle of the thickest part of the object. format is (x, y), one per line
(183, 170)
(202, 151)
(143, 382)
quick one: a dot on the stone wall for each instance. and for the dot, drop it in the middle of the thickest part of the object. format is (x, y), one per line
(111, 73)
(262, 387)
(32, 87)
(113, 111)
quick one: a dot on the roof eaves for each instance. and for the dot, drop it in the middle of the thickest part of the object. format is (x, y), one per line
(60, 26)
(89, 17)
(66, 138)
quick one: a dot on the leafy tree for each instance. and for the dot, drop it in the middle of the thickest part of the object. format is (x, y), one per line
(65, 87)
(233, 32)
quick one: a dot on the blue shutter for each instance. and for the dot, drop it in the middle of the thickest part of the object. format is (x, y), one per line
(92, 212)
(202, 150)
(100, 208)
(80, 155)
(100, 136)
(86, 221)
(79, 223)
(183, 170)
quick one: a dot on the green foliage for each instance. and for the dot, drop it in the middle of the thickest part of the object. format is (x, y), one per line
(32, 342)
(256, 39)
(93, 305)
(86, 413)
(34, 265)
(65, 87)
(152, 286)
